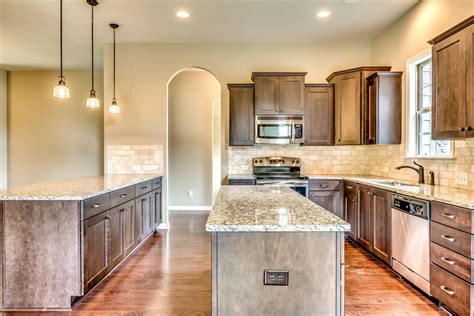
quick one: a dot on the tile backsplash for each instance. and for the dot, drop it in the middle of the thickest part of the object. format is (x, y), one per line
(134, 159)
(376, 160)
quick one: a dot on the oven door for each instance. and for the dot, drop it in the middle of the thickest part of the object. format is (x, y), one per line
(299, 186)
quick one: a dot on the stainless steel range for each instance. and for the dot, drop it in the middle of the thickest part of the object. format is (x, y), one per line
(280, 171)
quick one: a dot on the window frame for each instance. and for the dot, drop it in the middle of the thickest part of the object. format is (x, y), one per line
(415, 109)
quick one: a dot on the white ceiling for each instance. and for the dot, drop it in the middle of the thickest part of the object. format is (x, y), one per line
(29, 29)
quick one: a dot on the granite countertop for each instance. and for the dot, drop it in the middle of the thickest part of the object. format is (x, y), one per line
(449, 195)
(73, 189)
(269, 209)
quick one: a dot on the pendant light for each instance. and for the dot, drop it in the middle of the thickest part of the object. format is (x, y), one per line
(114, 108)
(92, 101)
(61, 90)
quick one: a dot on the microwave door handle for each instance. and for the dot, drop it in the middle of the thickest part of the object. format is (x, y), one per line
(293, 132)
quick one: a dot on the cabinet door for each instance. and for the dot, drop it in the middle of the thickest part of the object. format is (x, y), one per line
(95, 230)
(242, 119)
(157, 207)
(449, 88)
(138, 224)
(365, 223)
(267, 95)
(292, 95)
(351, 212)
(319, 115)
(128, 211)
(330, 200)
(116, 242)
(348, 109)
(382, 238)
(147, 214)
(371, 112)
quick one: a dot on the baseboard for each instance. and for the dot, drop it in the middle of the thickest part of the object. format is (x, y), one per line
(189, 208)
(164, 226)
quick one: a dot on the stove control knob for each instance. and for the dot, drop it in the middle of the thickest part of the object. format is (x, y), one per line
(255, 161)
(297, 161)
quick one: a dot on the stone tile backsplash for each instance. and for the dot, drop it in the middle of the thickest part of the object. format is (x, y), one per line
(376, 160)
(134, 159)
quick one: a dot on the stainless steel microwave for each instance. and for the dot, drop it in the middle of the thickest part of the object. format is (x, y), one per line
(279, 129)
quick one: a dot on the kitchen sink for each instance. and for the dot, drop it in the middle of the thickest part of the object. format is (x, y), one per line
(396, 183)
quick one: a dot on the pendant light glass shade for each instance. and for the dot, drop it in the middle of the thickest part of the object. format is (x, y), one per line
(114, 108)
(61, 90)
(92, 101)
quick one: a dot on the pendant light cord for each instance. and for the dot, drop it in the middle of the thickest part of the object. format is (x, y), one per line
(92, 42)
(61, 38)
(114, 63)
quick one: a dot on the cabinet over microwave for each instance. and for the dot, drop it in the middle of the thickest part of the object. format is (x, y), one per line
(279, 130)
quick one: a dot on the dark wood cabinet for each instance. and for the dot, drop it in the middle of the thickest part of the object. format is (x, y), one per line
(128, 220)
(351, 204)
(327, 194)
(116, 238)
(143, 217)
(319, 114)
(95, 238)
(453, 82)
(241, 114)
(156, 209)
(374, 221)
(349, 97)
(279, 93)
(383, 108)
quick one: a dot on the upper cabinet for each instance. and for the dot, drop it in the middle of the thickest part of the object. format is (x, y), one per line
(350, 99)
(279, 93)
(319, 114)
(241, 111)
(383, 108)
(453, 82)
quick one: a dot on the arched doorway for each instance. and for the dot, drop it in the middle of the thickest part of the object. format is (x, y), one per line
(194, 139)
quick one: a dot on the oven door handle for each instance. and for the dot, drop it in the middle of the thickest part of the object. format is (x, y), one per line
(281, 183)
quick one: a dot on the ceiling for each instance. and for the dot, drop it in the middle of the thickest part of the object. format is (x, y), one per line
(29, 29)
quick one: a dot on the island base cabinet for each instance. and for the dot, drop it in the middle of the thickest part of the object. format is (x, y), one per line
(315, 282)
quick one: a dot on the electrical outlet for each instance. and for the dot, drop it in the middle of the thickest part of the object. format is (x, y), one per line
(190, 193)
(461, 178)
(275, 277)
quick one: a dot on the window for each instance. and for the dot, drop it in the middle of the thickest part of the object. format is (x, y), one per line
(420, 143)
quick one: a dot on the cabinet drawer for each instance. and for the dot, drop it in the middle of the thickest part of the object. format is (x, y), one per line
(143, 188)
(121, 196)
(324, 185)
(452, 262)
(156, 183)
(242, 182)
(450, 290)
(95, 205)
(451, 238)
(453, 216)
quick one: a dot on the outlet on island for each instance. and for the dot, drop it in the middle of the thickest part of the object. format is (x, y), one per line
(190, 194)
(275, 277)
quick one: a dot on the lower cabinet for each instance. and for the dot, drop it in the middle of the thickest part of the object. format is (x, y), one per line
(327, 194)
(351, 207)
(116, 228)
(156, 208)
(374, 221)
(143, 217)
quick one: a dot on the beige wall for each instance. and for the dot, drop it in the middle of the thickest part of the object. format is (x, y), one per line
(50, 138)
(190, 138)
(3, 130)
(143, 72)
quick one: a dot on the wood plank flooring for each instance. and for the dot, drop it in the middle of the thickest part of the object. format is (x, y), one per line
(170, 275)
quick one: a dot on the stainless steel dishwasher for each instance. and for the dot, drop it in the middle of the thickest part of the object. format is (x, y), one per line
(411, 240)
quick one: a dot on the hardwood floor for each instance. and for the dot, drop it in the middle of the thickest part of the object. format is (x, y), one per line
(170, 275)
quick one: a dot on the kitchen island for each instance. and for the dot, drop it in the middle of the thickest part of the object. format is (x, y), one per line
(60, 239)
(274, 252)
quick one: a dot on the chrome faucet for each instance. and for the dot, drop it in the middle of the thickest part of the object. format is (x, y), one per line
(420, 170)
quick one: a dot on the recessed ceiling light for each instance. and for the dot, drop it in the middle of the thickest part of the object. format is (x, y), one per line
(182, 14)
(323, 14)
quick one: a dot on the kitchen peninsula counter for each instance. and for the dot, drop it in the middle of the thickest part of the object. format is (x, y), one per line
(274, 231)
(61, 238)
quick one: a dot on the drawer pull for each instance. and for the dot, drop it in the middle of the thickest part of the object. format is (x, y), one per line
(450, 216)
(448, 261)
(122, 210)
(448, 238)
(97, 205)
(348, 187)
(123, 195)
(323, 186)
(447, 290)
(144, 188)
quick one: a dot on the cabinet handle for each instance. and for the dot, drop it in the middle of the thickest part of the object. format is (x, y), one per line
(462, 129)
(123, 195)
(348, 187)
(447, 290)
(144, 200)
(323, 186)
(122, 210)
(450, 216)
(143, 188)
(448, 238)
(469, 128)
(339, 140)
(448, 261)
(97, 205)
(108, 217)
(371, 193)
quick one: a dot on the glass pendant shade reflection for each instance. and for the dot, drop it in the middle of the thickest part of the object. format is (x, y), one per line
(61, 90)
(92, 101)
(114, 108)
